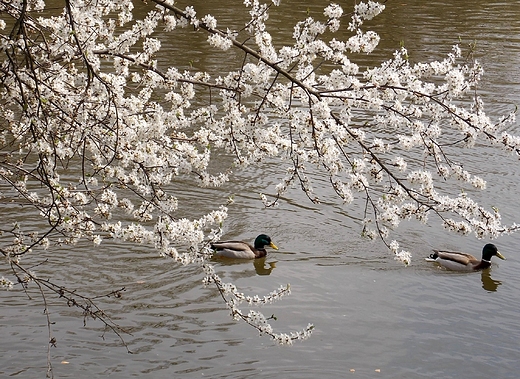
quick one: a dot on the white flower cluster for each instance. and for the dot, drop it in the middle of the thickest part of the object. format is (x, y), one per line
(402, 256)
(219, 41)
(6, 283)
(234, 298)
(364, 11)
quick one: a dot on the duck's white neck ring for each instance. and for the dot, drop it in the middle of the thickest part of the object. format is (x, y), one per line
(483, 260)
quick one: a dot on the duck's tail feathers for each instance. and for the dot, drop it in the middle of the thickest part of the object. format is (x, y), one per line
(432, 258)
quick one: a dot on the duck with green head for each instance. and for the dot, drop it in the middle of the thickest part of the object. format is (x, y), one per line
(243, 250)
(465, 262)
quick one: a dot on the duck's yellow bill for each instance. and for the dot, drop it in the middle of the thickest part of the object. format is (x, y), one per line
(276, 248)
(500, 256)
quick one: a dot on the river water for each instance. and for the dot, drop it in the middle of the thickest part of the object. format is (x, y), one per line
(374, 317)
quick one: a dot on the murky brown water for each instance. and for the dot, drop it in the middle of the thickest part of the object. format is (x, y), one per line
(370, 312)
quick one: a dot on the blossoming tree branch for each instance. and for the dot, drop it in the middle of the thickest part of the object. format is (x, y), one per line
(81, 87)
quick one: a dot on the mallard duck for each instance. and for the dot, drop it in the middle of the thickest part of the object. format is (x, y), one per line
(243, 250)
(465, 262)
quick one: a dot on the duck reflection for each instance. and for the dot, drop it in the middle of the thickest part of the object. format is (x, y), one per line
(488, 283)
(262, 267)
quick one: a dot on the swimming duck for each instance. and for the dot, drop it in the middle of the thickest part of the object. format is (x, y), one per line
(465, 262)
(243, 250)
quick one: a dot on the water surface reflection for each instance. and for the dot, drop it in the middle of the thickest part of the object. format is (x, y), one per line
(262, 266)
(488, 283)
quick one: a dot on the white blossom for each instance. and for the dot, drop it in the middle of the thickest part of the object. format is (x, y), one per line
(220, 42)
(6, 283)
(210, 21)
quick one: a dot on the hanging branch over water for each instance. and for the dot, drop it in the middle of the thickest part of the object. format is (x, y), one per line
(404, 112)
(83, 89)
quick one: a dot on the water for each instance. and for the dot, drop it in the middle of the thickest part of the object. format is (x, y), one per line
(374, 318)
